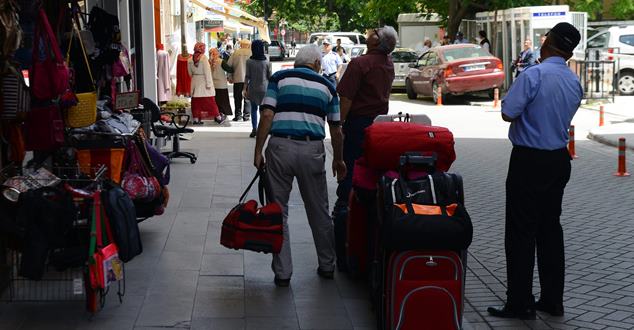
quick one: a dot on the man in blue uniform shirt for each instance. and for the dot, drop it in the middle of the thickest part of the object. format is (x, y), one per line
(539, 105)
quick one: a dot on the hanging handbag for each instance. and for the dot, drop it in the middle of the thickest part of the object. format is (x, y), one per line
(44, 129)
(105, 266)
(84, 113)
(16, 98)
(49, 74)
(137, 181)
(254, 228)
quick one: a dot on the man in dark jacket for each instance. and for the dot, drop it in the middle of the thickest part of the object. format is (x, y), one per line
(365, 93)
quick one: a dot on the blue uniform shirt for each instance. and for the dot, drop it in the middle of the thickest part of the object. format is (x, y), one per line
(542, 102)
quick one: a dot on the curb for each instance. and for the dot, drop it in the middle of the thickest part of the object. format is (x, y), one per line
(604, 140)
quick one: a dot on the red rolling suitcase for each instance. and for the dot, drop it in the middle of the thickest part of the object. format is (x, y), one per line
(424, 289)
(357, 236)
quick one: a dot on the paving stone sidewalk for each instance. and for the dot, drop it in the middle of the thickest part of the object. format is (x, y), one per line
(186, 280)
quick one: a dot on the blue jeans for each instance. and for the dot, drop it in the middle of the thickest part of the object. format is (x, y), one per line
(254, 115)
(354, 134)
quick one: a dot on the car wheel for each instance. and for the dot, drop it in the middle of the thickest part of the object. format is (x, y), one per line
(626, 83)
(410, 90)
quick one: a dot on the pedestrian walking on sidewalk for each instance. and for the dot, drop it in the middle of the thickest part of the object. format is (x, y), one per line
(540, 106)
(202, 91)
(257, 74)
(297, 104)
(219, 77)
(238, 62)
(330, 63)
(365, 93)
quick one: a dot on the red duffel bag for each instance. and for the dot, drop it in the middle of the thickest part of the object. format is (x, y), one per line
(254, 228)
(386, 142)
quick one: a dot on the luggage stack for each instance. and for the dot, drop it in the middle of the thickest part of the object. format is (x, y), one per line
(407, 227)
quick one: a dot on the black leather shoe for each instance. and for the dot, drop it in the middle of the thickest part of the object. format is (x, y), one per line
(505, 311)
(326, 274)
(281, 282)
(237, 118)
(554, 310)
(253, 133)
(246, 118)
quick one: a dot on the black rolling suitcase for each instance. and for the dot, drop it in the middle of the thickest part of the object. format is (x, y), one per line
(422, 219)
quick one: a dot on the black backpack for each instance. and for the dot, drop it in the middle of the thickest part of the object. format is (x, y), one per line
(122, 216)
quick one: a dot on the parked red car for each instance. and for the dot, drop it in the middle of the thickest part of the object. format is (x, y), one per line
(457, 69)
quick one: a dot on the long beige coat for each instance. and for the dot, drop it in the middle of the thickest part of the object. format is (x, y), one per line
(202, 83)
(238, 61)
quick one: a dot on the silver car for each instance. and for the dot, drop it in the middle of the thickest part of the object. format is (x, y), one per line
(402, 58)
(277, 50)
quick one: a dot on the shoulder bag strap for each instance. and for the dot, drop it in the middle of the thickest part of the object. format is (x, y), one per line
(98, 213)
(50, 36)
(244, 195)
(264, 187)
(93, 234)
(74, 31)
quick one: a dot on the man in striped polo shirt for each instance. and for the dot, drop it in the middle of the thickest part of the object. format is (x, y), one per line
(297, 104)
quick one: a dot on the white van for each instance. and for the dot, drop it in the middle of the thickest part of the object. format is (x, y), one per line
(347, 38)
(618, 39)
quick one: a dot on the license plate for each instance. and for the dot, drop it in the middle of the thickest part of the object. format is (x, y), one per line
(474, 67)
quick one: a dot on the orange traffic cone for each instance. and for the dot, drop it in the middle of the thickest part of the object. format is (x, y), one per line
(439, 101)
(571, 142)
(621, 171)
(496, 97)
(601, 113)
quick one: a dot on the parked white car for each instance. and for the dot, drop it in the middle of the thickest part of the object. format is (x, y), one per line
(617, 39)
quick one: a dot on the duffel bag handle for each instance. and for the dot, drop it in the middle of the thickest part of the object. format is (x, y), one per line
(263, 187)
(417, 159)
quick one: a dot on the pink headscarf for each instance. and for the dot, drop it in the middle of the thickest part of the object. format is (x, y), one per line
(214, 58)
(199, 50)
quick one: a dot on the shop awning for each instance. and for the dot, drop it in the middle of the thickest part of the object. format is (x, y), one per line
(233, 14)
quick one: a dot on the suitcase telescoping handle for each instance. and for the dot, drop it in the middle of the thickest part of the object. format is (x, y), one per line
(417, 160)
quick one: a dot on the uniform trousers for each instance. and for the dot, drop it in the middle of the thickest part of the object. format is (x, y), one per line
(286, 160)
(534, 192)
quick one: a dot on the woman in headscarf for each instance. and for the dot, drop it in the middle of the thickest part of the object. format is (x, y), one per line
(203, 93)
(220, 82)
(256, 80)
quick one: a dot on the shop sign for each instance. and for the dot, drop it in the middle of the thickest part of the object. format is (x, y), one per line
(550, 14)
(210, 24)
(129, 100)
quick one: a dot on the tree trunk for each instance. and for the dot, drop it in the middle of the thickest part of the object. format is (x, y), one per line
(495, 33)
(453, 21)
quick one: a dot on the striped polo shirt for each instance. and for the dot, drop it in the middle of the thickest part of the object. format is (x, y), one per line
(302, 101)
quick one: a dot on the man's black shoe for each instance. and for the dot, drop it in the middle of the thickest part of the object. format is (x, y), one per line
(237, 118)
(281, 282)
(246, 118)
(506, 312)
(326, 274)
(554, 310)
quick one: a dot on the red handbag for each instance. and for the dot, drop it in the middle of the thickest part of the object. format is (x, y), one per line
(137, 181)
(105, 266)
(44, 129)
(385, 143)
(254, 228)
(49, 74)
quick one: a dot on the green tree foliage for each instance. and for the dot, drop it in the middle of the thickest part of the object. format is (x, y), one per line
(623, 9)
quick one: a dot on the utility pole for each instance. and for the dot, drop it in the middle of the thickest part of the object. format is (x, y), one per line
(183, 30)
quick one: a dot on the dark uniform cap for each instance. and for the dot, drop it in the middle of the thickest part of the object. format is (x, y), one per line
(566, 35)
